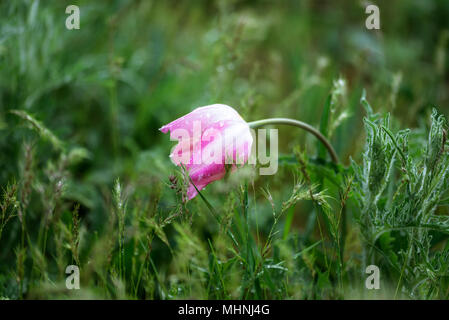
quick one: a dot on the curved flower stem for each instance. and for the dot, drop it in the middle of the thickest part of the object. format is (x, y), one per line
(299, 124)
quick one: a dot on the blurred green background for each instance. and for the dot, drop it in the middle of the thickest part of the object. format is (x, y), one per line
(133, 66)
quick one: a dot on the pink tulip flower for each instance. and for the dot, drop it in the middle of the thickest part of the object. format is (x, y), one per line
(209, 139)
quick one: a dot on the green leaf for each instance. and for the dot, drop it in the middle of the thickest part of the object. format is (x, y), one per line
(43, 131)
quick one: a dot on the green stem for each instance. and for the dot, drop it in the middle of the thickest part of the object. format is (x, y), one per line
(299, 124)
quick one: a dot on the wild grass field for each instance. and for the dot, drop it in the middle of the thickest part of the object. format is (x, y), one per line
(86, 178)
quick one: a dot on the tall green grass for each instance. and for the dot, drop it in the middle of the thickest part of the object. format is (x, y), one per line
(86, 179)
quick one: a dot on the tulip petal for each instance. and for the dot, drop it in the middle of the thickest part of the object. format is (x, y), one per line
(208, 138)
